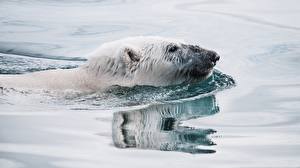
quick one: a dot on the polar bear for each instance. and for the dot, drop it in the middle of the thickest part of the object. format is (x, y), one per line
(143, 60)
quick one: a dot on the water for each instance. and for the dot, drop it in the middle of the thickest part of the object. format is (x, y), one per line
(252, 122)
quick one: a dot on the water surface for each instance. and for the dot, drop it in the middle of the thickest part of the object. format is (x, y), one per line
(245, 115)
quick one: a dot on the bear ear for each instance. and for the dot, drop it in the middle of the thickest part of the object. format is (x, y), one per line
(132, 55)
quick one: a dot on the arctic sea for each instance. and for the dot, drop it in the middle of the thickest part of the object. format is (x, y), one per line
(245, 115)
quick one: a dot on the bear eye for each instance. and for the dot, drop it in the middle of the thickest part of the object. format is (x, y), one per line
(173, 48)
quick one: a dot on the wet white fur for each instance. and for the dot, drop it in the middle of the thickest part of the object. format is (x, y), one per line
(91, 77)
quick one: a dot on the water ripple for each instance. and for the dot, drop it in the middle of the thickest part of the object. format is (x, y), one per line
(189, 7)
(16, 64)
(139, 95)
(32, 50)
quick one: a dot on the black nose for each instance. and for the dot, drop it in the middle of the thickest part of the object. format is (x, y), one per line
(213, 56)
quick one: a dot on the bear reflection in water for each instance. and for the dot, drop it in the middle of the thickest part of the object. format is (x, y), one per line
(158, 127)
